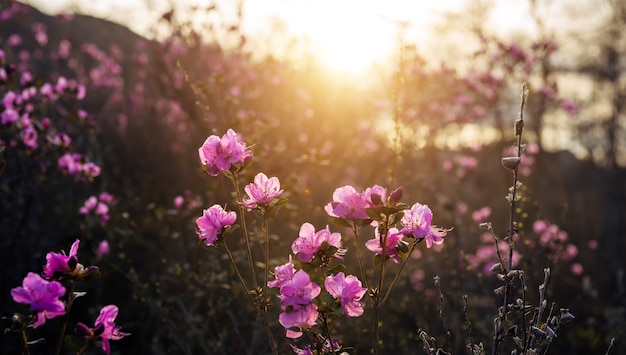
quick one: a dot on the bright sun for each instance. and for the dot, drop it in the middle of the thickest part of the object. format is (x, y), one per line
(347, 36)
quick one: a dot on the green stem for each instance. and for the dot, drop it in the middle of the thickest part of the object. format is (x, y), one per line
(242, 213)
(266, 237)
(241, 281)
(397, 277)
(70, 302)
(358, 253)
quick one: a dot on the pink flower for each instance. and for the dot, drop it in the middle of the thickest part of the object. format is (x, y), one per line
(305, 351)
(348, 289)
(179, 201)
(42, 296)
(71, 163)
(103, 249)
(282, 273)
(300, 290)
(416, 222)
(310, 242)
(212, 223)
(59, 264)
(347, 203)
(219, 154)
(481, 215)
(104, 328)
(298, 317)
(391, 246)
(262, 191)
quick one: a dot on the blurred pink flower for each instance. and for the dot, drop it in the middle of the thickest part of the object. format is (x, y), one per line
(481, 215)
(103, 249)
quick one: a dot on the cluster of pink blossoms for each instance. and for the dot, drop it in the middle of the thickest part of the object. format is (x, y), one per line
(221, 154)
(74, 164)
(213, 222)
(554, 241)
(311, 243)
(98, 205)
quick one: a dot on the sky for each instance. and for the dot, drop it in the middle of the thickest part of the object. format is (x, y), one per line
(345, 35)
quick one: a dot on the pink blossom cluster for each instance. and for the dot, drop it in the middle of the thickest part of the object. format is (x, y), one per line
(220, 154)
(350, 204)
(74, 164)
(213, 222)
(310, 243)
(554, 241)
(187, 200)
(486, 256)
(98, 205)
(463, 163)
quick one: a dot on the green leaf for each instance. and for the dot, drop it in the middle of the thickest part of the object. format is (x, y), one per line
(337, 269)
(74, 341)
(270, 212)
(402, 206)
(91, 275)
(279, 202)
(378, 259)
(331, 251)
(373, 214)
(77, 294)
(518, 342)
(324, 308)
(388, 210)
(403, 247)
(396, 218)
(36, 341)
(340, 222)
(325, 297)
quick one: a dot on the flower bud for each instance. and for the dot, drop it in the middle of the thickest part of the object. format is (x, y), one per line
(395, 196)
(376, 199)
(497, 267)
(82, 330)
(511, 163)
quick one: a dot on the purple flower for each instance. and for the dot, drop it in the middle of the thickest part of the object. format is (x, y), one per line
(348, 289)
(212, 223)
(59, 264)
(104, 328)
(282, 273)
(43, 297)
(262, 191)
(103, 249)
(298, 317)
(310, 242)
(219, 154)
(391, 246)
(416, 222)
(300, 290)
(347, 203)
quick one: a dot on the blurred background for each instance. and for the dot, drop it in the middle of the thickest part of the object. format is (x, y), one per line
(395, 93)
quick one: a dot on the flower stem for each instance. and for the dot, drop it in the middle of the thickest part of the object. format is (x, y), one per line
(25, 339)
(244, 227)
(397, 277)
(70, 302)
(358, 253)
